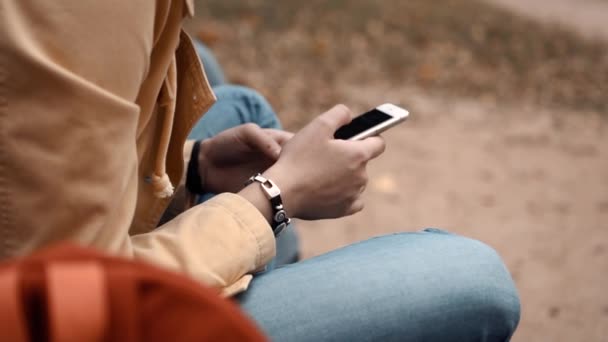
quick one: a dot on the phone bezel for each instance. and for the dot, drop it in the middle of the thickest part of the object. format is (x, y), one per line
(397, 114)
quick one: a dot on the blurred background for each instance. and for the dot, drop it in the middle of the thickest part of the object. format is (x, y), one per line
(507, 141)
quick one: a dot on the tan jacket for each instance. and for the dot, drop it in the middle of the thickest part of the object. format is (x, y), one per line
(96, 101)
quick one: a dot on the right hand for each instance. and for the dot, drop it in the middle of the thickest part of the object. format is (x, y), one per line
(322, 177)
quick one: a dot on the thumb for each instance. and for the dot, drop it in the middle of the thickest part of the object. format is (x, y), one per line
(333, 119)
(280, 136)
(372, 146)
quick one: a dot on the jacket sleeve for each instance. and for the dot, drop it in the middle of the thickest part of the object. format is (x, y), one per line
(217, 242)
(70, 80)
(227, 234)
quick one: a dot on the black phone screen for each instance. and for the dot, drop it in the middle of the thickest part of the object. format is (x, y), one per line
(361, 123)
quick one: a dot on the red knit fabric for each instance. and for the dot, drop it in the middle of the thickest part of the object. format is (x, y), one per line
(133, 301)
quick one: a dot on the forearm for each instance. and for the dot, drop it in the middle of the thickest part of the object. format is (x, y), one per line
(289, 194)
(256, 197)
(194, 243)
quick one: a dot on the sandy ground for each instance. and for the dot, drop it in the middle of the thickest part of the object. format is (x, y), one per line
(526, 185)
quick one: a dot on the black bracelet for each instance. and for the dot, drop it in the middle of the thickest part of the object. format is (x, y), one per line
(193, 178)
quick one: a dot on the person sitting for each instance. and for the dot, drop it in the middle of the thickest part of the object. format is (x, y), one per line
(96, 104)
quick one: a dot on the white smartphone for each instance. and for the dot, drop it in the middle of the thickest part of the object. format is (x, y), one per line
(372, 123)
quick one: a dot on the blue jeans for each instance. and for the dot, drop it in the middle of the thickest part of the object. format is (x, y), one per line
(423, 286)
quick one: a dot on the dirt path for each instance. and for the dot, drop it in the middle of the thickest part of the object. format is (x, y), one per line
(531, 182)
(587, 16)
(528, 182)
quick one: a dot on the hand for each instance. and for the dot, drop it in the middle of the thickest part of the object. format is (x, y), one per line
(322, 177)
(228, 159)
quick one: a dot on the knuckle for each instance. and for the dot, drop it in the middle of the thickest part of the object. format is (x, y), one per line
(382, 147)
(355, 195)
(360, 155)
(364, 178)
(324, 122)
(250, 127)
(342, 108)
(353, 166)
(356, 207)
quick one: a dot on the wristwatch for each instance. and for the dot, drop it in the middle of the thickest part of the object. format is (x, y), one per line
(273, 193)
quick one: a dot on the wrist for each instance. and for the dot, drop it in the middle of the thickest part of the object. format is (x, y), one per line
(289, 193)
(253, 193)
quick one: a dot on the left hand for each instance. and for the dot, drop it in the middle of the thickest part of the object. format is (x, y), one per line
(228, 159)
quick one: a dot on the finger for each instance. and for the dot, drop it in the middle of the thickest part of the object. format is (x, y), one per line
(333, 119)
(372, 146)
(362, 188)
(356, 207)
(281, 137)
(258, 140)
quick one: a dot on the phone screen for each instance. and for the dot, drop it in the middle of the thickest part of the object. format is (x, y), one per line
(361, 124)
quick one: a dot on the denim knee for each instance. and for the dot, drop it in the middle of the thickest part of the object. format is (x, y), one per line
(228, 91)
(489, 299)
(250, 105)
